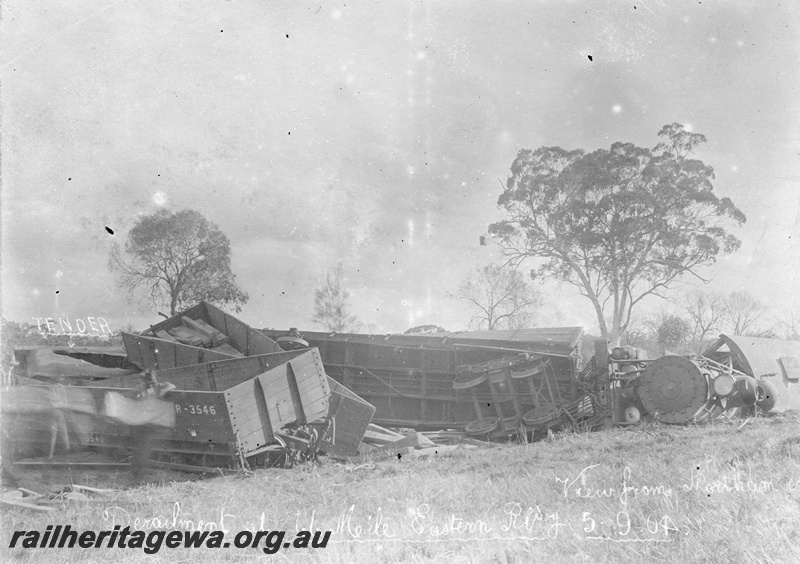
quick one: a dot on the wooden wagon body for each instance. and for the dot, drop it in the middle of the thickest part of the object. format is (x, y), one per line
(257, 396)
(409, 378)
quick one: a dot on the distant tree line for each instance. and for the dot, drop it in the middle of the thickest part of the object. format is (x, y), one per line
(701, 317)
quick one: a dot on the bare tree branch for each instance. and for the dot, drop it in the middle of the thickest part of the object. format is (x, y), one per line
(502, 297)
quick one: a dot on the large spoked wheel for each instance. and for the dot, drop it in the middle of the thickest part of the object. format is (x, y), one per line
(465, 380)
(526, 370)
(482, 426)
(540, 417)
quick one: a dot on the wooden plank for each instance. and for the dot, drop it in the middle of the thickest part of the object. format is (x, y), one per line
(200, 326)
(412, 440)
(175, 321)
(380, 435)
(14, 499)
(166, 336)
(384, 431)
(187, 336)
(217, 338)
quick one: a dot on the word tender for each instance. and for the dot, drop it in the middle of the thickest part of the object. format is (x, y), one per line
(96, 326)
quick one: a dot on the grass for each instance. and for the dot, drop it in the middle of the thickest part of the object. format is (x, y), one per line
(653, 493)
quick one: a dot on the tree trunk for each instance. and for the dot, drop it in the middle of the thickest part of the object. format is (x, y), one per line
(601, 319)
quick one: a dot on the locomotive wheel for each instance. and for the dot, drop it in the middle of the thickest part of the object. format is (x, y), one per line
(482, 426)
(674, 389)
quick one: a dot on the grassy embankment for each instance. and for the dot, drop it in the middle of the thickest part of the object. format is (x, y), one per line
(715, 493)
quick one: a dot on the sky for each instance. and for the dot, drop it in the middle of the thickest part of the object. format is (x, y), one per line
(375, 134)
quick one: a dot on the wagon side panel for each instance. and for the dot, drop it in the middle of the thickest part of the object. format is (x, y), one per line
(351, 416)
(257, 411)
(151, 353)
(309, 384)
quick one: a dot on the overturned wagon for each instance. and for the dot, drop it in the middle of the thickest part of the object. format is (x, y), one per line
(488, 383)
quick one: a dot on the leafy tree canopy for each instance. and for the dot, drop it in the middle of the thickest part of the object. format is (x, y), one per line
(672, 334)
(621, 223)
(176, 260)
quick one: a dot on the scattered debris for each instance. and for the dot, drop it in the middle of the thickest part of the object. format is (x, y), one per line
(28, 499)
(14, 498)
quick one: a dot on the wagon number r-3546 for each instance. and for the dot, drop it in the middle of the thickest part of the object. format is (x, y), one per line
(197, 409)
